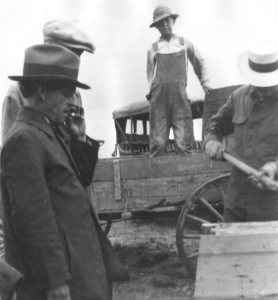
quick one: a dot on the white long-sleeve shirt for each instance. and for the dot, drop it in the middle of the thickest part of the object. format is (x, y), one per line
(173, 46)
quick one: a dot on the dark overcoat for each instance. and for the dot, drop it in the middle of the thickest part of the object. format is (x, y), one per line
(50, 233)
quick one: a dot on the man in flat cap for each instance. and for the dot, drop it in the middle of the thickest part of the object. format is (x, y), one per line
(167, 77)
(51, 234)
(251, 114)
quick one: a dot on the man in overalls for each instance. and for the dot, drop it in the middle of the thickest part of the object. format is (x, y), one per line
(251, 113)
(167, 77)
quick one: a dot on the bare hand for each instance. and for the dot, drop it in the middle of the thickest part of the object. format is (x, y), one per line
(268, 170)
(61, 292)
(214, 150)
(76, 124)
(207, 89)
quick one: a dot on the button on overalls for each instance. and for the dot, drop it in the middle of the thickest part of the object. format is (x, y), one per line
(169, 106)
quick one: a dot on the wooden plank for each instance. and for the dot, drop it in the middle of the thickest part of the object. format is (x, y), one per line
(246, 228)
(239, 244)
(221, 93)
(117, 180)
(152, 192)
(163, 166)
(243, 267)
(213, 107)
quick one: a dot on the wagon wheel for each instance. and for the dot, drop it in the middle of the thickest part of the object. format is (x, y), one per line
(105, 225)
(205, 205)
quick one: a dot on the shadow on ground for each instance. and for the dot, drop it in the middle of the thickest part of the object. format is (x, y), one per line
(148, 248)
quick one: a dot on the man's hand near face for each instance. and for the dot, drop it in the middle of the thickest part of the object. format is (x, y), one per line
(76, 124)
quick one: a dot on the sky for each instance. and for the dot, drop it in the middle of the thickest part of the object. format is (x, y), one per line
(116, 72)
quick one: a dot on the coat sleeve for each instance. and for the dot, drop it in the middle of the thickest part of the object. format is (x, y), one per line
(85, 155)
(9, 112)
(33, 219)
(198, 63)
(220, 124)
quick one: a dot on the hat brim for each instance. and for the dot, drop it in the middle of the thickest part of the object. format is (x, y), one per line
(255, 78)
(175, 16)
(70, 45)
(41, 78)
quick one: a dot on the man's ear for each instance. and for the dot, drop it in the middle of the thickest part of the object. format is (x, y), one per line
(41, 90)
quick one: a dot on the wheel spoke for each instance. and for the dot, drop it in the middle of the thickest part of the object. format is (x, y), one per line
(197, 219)
(204, 202)
(211, 209)
(192, 236)
(221, 192)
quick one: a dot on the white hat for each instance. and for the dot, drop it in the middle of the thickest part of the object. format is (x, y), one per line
(259, 65)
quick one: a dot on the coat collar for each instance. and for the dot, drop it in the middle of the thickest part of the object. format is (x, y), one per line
(257, 96)
(36, 118)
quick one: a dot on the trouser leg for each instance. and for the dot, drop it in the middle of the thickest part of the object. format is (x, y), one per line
(262, 205)
(159, 123)
(235, 206)
(182, 122)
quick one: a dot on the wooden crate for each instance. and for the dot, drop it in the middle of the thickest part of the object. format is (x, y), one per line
(239, 262)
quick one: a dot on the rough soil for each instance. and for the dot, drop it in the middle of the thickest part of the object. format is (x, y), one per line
(148, 247)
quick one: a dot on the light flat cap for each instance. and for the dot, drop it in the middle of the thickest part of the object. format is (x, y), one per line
(67, 34)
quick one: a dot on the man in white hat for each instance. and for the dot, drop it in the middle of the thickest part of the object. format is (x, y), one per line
(251, 114)
(51, 234)
(167, 77)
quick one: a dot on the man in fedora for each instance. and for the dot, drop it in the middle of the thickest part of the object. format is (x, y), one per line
(251, 114)
(51, 234)
(167, 77)
(56, 32)
(83, 149)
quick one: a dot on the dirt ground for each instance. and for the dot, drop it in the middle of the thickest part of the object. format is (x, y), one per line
(148, 247)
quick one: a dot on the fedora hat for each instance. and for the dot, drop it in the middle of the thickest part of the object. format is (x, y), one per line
(259, 65)
(162, 12)
(67, 34)
(50, 62)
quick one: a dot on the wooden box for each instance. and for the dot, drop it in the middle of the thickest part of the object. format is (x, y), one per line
(239, 262)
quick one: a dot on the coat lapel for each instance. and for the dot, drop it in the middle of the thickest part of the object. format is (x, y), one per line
(31, 116)
(67, 150)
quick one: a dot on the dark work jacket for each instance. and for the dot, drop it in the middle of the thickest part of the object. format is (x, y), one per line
(50, 233)
(254, 122)
(85, 154)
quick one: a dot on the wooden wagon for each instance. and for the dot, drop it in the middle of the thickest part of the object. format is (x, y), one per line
(133, 185)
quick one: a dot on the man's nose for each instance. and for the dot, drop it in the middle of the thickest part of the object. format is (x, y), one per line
(73, 99)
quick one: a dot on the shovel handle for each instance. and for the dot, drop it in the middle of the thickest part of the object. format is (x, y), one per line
(272, 184)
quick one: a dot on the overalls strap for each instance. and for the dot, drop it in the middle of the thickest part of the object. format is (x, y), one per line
(155, 47)
(181, 40)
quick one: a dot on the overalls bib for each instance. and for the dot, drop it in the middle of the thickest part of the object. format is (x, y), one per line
(169, 106)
